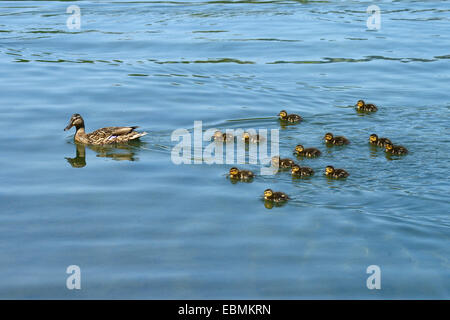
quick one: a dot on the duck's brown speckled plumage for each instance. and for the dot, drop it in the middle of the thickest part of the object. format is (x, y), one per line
(292, 118)
(308, 152)
(103, 136)
(395, 150)
(380, 142)
(298, 171)
(332, 140)
(243, 175)
(270, 195)
(331, 172)
(361, 106)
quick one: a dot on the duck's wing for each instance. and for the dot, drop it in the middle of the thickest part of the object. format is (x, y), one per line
(114, 135)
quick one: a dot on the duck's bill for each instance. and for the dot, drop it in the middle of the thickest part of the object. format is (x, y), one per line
(70, 125)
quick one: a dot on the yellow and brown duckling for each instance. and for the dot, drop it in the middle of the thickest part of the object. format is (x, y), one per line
(308, 152)
(108, 135)
(396, 150)
(219, 136)
(270, 195)
(284, 116)
(331, 172)
(252, 138)
(380, 142)
(243, 175)
(282, 163)
(339, 140)
(361, 106)
(298, 171)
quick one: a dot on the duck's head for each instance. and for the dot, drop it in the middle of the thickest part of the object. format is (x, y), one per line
(245, 136)
(234, 171)
(299, 148)
(268, 193)
(373, 138)
(328, 136)
(389, 146)
(295, 168)
(283, 114)
(75, 121)
(218, 134)
(360, 104)
(276, 160)
(329, 170)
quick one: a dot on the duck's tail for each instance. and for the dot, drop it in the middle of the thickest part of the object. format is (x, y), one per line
(136, 135)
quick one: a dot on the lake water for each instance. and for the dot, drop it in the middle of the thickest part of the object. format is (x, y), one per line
(140, 226)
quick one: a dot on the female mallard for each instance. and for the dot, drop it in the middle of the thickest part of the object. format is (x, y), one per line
(244, 175)
(396, 150)
(363, 107)
(298, 171)
(309, 152)
(269, 195)
(331, 172)
(247, 137)
(381, 142)
(339, 141)
(223, 137)
(282, 163)
(289, 117)
(102, 136)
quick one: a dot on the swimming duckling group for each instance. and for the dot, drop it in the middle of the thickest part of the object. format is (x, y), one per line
(300, 151)
(114, 135)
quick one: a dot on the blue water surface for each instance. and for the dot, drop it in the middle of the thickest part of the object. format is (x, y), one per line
(140, 226)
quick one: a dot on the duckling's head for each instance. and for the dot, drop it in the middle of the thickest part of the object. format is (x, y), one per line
(283, 114)
(276, 160)
(234, 171)
(75, 121)
(245, 136)
(373, 138)
(328, 136)
(268, 193)
(329, 170)
(360, 104)
(218, 134)
(299, 148)
(295, 168)
(389, 146)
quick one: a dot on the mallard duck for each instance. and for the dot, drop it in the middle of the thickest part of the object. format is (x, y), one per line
(243, 175)
(102, 136)
(331, 172)
(363, 107)
(309, 152)
(381, 142)
(289, 117)
(298, 171)
(223, 137)
(339, 141)
(396, 150)
(282, 163)
(247, 137)
(269, 195)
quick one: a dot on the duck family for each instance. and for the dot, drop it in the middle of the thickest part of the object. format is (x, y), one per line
(119, 135)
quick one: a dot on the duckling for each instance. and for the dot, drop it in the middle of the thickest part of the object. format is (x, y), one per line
(223, 137)
(396, 150)
(102, 136)
(269, 195)
(331, 172)
(289, 117)
(243, 175)
(298, 171)
(282, 163)
(251, 138)
(309, 152)
(363, 107)
(381, 142)
(339, 141)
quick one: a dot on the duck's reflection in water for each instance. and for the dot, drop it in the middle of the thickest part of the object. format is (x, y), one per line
(116, 152)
